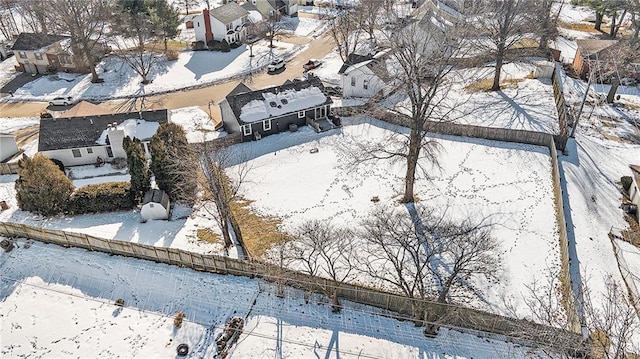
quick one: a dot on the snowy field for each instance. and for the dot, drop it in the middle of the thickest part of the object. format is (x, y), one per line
(511, 183)
(54, 309)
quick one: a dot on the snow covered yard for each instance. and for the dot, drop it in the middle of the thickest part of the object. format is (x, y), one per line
(191, 69)
(509, 183)
(80, 319)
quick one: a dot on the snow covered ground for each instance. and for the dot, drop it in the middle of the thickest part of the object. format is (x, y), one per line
(511, 183)
(191, 69)
(53, 308)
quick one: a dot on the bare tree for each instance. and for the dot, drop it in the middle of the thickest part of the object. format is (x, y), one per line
(325, 250)
(501, 25)
(370, 10)
(425, 255)
(35, 14)
(345, 29)
(612, 321)
(187, 4)
(634, 10)
(223, 189)
(547, 18)
(423, 53)
(84, 21)
(274, 27)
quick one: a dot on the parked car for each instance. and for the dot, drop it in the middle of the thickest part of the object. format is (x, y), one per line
(311, 64)
(62, 101)
(333, 91)
(275, 65)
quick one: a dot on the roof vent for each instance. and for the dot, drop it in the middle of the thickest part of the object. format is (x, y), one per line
(91, 121)
(273, 104)
(284, 101)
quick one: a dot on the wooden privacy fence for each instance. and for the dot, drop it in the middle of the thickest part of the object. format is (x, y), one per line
(553, 143)
(521, 331)
(564, 118)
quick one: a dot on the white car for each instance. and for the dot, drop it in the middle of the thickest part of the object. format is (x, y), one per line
(61, 101)
(275, 65)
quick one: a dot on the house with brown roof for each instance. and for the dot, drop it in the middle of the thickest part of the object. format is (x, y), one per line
(42, 53)
(226, 22)
(589, 52)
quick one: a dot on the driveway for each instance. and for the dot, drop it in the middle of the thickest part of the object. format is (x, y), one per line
(202, 97)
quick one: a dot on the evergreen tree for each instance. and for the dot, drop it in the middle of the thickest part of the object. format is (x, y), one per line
(224, 46)
(41, 187)
(166, 20)
(173, 163)
(138, 169)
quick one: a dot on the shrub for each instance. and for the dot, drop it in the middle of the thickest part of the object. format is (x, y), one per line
(172, 55)
(224, 46)
(626, 183)
(177, 321)
(103, 197)
(41, 187)
(198, 45)
(138, 168)
(119, 163)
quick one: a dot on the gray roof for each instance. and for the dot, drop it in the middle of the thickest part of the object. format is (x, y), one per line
(229, 12)
(589, 47)
(156, 196)
(238, 100)
(80, 132)
(28, 41)
(353, 59)
(240, 88)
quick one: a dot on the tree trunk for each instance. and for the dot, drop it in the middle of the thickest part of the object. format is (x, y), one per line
(499, 60)
(612, 27)
(166, 49)
(598, 24)
(335, 304)
(94, 74)
(412, 163)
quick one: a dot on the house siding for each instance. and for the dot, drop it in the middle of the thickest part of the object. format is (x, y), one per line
(634, 195)
(375, 84)
(31, 64)
(579, 64)
(66, 155)
(220, 31)
(281, 123)
(8, 147)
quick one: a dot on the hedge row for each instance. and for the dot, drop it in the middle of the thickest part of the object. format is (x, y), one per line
(103, 197)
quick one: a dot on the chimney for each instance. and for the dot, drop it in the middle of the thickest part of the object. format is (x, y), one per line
(208, 34)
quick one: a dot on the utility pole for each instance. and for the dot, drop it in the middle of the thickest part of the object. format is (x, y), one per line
(584, 99)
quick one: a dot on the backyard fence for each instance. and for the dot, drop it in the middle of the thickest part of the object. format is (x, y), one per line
(564, 118)
(553, 143)
(441, 314)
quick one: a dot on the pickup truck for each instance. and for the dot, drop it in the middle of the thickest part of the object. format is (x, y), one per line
(311, 64)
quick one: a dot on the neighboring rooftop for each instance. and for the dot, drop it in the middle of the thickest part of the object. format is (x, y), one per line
(86, 131)
(84, 108)
(229, 12)
(289, 97)
(28, 41)
(589, 47)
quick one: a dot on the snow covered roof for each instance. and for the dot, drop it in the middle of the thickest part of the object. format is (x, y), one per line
(290, 97)
(229, 12)
(86, 131)
(28, 41)
(132, 127)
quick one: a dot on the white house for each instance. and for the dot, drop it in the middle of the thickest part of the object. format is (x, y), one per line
(84, 140)
(277, 8)
(365, 75)
(226, 22)
(8, 146)
(155, 205)
(41, 53)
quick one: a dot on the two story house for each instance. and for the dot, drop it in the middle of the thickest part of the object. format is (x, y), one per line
(270, 8)
(366, 75)
(260, 113)
(226, 22)
(42, 53)
(84, 140)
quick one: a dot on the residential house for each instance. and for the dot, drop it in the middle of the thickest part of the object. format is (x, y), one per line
(8, 146)
(589, 52)
(226, 22)
(260, 113)
(92, 139)
(634, 190)
(42, 53)
(269, 8)
(365, 75)
(155, 205)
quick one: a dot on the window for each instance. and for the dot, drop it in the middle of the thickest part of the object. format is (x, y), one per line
(76, 153)
(197, 23)
(365, 84)
(246, 130)
(109, 152)
(150, 205)
(266, 125)
(229, 26)
(301, 114)
(89, 150)
(64, 59)
(22, 54)
(353, 81)
(38, 55)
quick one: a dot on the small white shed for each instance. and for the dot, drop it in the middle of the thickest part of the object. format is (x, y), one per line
(155, 205)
